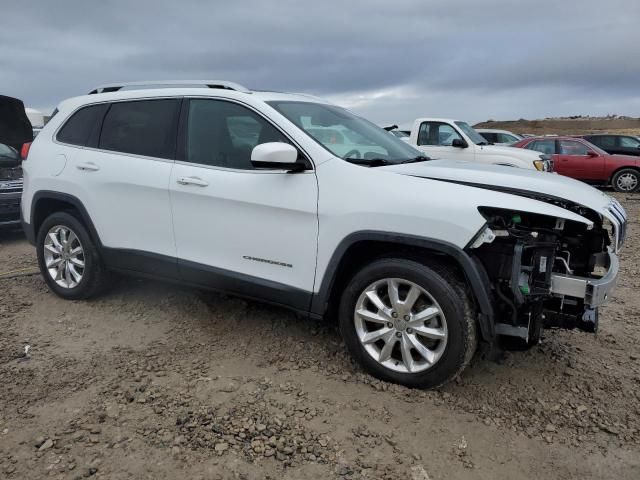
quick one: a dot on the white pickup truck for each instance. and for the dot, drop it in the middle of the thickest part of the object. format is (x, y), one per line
(442, 138)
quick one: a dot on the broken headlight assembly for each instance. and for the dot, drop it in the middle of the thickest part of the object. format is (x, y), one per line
(544, 271)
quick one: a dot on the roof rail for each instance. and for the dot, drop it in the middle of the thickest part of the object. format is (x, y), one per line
(222, 84)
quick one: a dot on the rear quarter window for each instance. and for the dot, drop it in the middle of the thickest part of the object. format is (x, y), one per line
(142, 127)
(81, 125)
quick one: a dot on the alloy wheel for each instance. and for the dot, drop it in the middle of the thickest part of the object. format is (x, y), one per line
(64, 256)
(400, 325)
(627, 182)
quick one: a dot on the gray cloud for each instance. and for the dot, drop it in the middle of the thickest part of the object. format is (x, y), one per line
(392, 61)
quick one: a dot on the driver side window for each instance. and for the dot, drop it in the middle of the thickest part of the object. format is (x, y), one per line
(437, 134)
(569, 147)
(506, 138)
(223, 134)
(629, 142)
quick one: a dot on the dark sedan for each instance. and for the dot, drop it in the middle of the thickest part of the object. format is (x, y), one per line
(15, 135)
(615, 144)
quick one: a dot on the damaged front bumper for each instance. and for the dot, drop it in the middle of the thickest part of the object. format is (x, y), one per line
(593, 291)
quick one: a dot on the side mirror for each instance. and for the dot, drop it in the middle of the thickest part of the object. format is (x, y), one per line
(9, 156)
(459, 143)
(276, 155)
(591, 153)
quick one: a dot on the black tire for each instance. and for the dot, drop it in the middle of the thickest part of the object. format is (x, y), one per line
(450, 294)
(94, 275)
(628, 173)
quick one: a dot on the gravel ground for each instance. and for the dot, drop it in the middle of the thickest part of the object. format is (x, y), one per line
(154, 381)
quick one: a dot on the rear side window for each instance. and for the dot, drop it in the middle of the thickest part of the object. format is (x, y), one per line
(543, 146)
(506, 138)
(145, 127)
(81, 125)
(603, 142)
(489, 136)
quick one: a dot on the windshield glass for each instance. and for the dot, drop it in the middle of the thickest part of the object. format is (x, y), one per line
(474, 136)
(344, 134)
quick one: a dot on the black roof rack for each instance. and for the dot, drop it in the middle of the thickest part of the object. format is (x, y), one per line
(222, 84)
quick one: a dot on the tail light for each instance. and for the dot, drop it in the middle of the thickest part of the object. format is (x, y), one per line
(24, 151)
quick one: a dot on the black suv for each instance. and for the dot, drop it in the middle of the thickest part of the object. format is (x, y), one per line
(15, 132)
(616, 144)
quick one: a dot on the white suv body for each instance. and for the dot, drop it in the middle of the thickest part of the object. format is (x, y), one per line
(228, 189)
(445, 138)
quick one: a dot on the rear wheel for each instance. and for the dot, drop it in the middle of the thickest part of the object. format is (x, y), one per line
(626, 180)
(407, 324)
(68, 258)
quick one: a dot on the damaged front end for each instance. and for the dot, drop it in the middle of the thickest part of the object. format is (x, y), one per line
(548, 272)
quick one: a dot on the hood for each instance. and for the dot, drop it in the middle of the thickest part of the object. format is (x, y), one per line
(15, 128)
(547, 187)
(509, 151)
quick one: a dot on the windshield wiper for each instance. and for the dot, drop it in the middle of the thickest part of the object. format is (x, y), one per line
(369, 162)
(419, 158)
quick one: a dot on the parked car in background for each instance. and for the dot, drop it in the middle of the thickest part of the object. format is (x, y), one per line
(248, 192)
(579, 159)
(15, 136)
(36, 117)
(616, 144)
(455, 140)
(401, 133)
(499, 137)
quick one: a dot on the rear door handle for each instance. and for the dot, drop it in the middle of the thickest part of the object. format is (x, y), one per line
(197, 181)
(88, 167)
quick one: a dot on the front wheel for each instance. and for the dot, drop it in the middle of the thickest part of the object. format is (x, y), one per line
(626, 180)
(408, 324)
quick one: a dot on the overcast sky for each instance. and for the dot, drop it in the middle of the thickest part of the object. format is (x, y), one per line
(391, 61)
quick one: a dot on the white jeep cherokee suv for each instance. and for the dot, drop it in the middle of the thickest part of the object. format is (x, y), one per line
(216, 186)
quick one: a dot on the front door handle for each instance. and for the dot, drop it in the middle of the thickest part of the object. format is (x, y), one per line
(88, 167)
(197, 181)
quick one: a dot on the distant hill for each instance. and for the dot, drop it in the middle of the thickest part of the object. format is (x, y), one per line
(568, 125)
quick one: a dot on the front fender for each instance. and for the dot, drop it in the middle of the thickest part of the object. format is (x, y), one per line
(473, 271)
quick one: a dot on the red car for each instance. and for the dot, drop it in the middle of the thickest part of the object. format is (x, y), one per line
(577, 158)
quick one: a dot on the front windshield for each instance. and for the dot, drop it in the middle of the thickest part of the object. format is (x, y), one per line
(344, 134)
(474, 136)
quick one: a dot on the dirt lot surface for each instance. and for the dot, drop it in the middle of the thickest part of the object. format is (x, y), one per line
(154, 381)
(568, 126)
